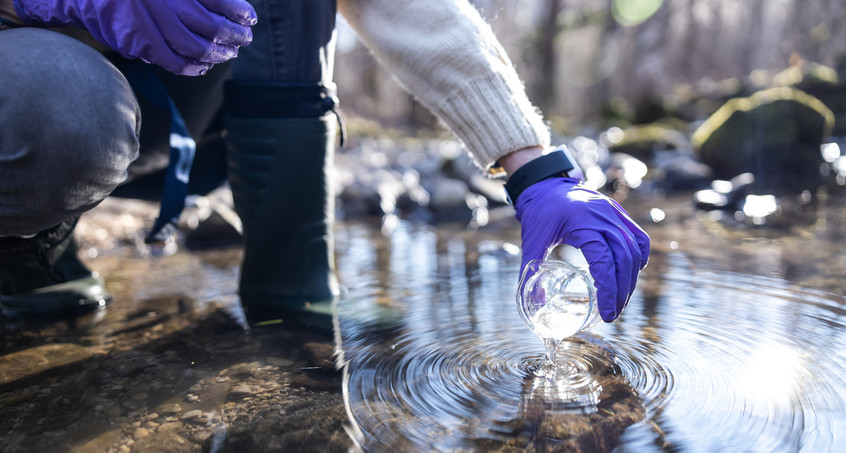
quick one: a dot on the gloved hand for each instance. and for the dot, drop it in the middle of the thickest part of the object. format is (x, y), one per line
(185, 37)
(560, 210)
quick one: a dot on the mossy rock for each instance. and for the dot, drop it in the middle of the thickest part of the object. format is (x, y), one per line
(775, 134)
(821, 82)
(694, 102)
(641, 142)
(806, 75)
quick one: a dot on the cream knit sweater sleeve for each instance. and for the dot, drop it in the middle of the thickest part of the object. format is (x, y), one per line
(444, 53)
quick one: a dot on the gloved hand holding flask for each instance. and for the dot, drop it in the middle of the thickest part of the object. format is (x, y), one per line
(185, 37)
(555, 210)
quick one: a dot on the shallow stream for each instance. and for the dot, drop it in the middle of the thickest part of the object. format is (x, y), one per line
(733, 342)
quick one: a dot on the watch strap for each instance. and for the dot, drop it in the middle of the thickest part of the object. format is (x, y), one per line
(555, 163)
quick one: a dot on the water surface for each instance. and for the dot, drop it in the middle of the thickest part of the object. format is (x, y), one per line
(732, 342)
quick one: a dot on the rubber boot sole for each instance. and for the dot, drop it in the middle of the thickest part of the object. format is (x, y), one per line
(62, 299)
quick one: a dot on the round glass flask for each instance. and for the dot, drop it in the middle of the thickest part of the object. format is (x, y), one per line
(556, 299)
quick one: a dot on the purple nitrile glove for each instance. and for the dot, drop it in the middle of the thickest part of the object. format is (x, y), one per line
(562, 211)
(185, 37)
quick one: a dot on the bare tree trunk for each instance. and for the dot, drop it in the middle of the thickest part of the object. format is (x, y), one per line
(600, 91)
(752, 41)
(691, 33)
(543, 89)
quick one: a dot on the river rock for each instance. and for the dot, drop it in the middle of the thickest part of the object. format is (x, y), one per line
(642, 142)
(674, 170)
(448, 197)
(278, 361)
(822, 82)
(775, 134)
(242, 390)
(321, 355)
(19, 365)
(191, 415)
(361, 196)
(171, 408)
(164, 440)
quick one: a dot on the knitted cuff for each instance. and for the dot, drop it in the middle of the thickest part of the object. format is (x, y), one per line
(493, 118)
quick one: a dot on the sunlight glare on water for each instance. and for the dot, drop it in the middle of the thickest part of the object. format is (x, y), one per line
(770, 375)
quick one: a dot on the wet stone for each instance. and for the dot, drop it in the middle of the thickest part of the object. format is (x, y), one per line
(228, 344)
(317, 381)
(40, 359)
(242, 369)
(321, 355)
(170, 408)
(201, 437)
(786, 157)
(169, 441)
(191, 415)
(130, 404)
(275, 361)
(242, 390)
(21, 397)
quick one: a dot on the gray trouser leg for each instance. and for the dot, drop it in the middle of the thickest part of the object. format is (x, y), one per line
(69, 127)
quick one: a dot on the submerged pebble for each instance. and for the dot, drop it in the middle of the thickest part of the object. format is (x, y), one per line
(191, 415)
(170, 408)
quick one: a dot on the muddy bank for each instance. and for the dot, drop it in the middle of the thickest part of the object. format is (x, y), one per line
(168, 366)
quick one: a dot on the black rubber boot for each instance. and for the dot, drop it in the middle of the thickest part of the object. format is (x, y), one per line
(279, 174)
(43, 276)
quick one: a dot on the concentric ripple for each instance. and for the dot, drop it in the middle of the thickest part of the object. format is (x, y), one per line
(436, 395)
(714, 361)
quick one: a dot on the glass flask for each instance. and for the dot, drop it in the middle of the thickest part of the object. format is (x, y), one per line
(556, 299)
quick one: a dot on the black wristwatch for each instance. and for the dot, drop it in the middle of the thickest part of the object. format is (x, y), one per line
(550, 165)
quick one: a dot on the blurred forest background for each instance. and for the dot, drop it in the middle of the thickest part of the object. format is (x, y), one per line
(591, 64)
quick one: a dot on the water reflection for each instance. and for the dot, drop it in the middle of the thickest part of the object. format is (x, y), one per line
(731, 343)
(463, 371)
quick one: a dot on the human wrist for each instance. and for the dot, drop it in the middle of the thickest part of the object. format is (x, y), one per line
(512, 162)
(554, 164)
